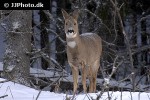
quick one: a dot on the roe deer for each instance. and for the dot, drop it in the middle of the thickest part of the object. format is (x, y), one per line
(83, 52)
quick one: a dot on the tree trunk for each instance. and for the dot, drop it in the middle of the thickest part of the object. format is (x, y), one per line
(44, 38)
(53, 27)
(36, 63)
(18, 44)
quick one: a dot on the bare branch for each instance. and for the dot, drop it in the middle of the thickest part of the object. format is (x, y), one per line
(42, 89)
(4, 81)
(127, 43)
(3, 96)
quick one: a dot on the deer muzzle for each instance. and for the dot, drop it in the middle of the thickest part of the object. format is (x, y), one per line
(70, 31)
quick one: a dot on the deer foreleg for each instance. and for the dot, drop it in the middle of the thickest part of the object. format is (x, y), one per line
(84, 75)
(75, 79)
(91, 84)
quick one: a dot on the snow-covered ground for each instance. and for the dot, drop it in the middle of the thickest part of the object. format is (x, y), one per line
(16, 91)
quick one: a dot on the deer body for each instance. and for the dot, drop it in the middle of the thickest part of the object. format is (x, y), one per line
(83, 52)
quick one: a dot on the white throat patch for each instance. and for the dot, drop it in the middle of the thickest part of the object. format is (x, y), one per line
(71, 35)
(71, 44)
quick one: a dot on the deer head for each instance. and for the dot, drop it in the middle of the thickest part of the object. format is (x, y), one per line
(71, 25)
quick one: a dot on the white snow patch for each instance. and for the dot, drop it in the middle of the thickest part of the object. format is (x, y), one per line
(10, 68)
(19, 92)
(1, 66)
(107, 80)
(8, 51)
(71, 44)
(16, 25)
(3, 24)
(43, 73)
(85, 34)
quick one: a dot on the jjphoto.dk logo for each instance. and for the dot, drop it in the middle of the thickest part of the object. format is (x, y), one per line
(6, 5)
(15, 5)
(25, 5)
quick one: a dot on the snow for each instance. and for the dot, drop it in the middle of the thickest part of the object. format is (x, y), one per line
(15, 91)
(19, 92)
(16, 25)
(85, 34)
(41, 73)
(106, 81)
(10, 68)
(1, 66)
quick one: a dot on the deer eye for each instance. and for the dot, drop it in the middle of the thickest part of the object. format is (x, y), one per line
(74, 23)
(66, 23)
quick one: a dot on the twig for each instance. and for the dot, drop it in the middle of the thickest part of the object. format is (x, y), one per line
(38, 95)
(115, 25)
(87, 95)
(131, 95)
(8, 88)
(50, 16)
(4, 81)
(121, 95)
(40, 53)
(128, 77)
(50, 30)
(6, 16)
(97, 18)
(3, 96)
(101, 93)
(115, 67)
(67, 98)
(139, 96)
(109, 98)
(74, 94)
(148, 96)
(42, 89)
(127, 44)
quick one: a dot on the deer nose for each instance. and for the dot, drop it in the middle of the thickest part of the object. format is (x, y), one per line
(70, 31)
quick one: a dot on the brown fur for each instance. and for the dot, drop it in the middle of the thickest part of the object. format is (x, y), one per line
(85, 55)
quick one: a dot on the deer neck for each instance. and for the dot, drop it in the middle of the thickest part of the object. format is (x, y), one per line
(73, 42)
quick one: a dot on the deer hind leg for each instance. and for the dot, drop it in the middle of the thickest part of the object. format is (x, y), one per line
(94, 82)
(75, 79)
(90, 79)
(93, 76)
(84, 75)
(91, 84)
(96, 67)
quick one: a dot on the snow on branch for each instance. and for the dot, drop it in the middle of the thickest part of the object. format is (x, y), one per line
(39, 53)
(115, 67)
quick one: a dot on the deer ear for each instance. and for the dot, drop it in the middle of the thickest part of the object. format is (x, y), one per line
(75, 14)
(65, 14)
